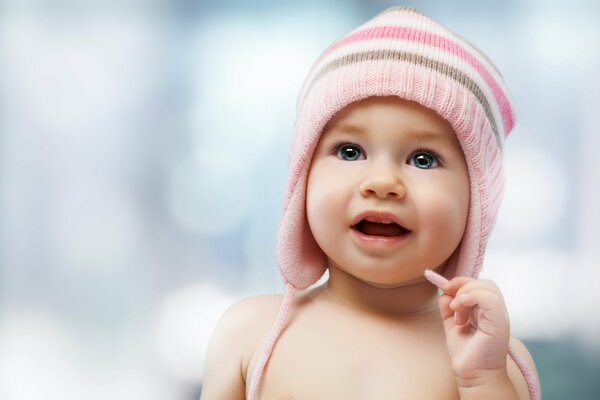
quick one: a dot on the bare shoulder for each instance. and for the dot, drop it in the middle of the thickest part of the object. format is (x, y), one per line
(240, 329)
(254, 309)
(514, 372)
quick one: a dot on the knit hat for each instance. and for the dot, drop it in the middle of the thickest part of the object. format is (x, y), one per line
(403, 53)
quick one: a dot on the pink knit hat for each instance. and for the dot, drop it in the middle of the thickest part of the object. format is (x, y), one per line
(403, 53)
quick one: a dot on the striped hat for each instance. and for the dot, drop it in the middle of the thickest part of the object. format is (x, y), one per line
(403, 53)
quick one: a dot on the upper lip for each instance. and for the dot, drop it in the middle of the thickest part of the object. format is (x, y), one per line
(378, 216)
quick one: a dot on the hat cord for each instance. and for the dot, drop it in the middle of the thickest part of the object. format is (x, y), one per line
(271, 340)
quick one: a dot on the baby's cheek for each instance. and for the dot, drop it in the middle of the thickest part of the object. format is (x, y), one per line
(319, 199)
(325, 188)
(445, 220)
(321, 203)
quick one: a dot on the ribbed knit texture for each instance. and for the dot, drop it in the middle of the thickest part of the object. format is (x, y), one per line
(284, 311)
(403, 53)
(533, 385)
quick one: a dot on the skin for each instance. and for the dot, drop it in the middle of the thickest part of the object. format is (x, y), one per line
(377, 328)
(432, 202)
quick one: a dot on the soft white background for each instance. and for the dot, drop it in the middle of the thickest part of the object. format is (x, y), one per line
(143, 152)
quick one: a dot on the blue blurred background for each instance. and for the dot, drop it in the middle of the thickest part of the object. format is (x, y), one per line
(143, 153)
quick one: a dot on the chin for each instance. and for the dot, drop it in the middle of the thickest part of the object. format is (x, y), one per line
(391, 282)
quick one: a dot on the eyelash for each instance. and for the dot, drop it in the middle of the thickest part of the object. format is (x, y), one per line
(336, 148)
(428, 151)
(425, 150)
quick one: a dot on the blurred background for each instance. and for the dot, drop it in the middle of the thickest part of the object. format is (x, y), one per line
(143, 154)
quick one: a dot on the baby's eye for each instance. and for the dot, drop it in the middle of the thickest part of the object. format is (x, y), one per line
(349, 152)
(424, 160)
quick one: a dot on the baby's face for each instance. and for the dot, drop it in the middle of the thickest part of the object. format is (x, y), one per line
(388, 190)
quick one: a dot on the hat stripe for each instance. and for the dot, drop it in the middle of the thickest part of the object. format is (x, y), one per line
(441, 42)
(399, 17)
(445, 69)
(424, 51)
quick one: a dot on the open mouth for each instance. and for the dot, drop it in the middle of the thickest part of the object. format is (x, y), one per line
(380, 227)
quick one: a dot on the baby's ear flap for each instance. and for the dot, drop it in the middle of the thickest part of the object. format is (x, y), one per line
(301, 260)
(451, 264)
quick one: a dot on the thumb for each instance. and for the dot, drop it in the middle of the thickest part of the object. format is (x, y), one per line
(444, 304)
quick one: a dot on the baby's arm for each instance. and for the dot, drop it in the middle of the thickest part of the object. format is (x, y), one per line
(223, 373)
(477, 335)
(240, 332)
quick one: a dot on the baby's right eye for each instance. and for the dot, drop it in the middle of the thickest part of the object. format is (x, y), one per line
(348, 152)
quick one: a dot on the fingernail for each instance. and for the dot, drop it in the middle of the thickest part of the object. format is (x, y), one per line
(456, 317)
(459, 298)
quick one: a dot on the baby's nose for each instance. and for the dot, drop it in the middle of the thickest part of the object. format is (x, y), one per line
(383, 184)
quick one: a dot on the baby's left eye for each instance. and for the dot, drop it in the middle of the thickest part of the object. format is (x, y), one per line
(349, 152)
(424, 160)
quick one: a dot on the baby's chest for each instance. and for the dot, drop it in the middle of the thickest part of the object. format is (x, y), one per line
(358, 365)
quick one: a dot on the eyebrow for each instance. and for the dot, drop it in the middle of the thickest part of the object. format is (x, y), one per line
(345, 127)
(430, 135)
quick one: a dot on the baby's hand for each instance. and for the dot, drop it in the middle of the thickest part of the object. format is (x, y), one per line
(477, 327)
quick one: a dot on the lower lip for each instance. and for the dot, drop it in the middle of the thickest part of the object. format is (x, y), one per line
(379, 241)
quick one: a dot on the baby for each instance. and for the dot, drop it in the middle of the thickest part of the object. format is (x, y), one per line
(395, 172)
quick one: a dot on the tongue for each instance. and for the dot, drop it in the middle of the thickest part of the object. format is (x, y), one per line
(377, 229)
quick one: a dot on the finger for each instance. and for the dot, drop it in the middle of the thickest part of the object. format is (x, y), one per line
(453, 285)
(448, 315)
(479, 284)
(461, 311)
(486, 290)
(462, 316)
(445, 310)
(490, 303)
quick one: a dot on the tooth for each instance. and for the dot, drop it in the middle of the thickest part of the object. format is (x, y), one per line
(380, 220)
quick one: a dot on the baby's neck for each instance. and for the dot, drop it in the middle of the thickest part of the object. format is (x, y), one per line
(409, 298)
